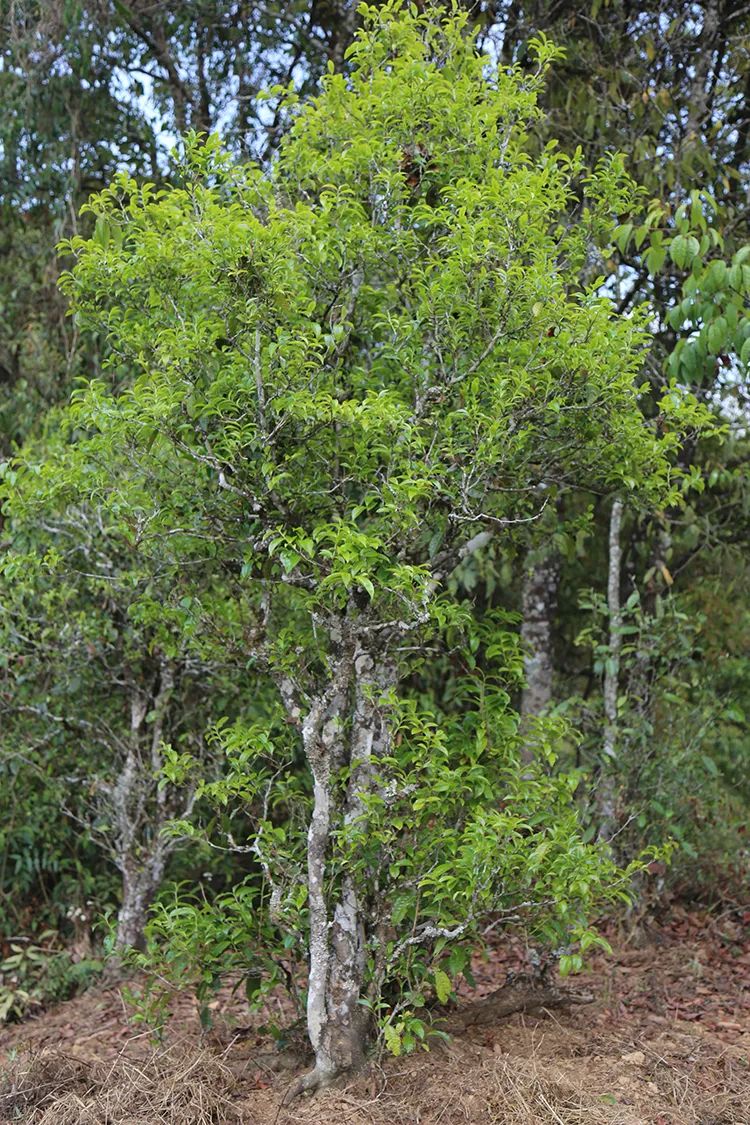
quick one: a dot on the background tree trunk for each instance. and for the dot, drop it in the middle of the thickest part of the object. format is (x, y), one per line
(607, 790)
(140, 884)
(539, 606)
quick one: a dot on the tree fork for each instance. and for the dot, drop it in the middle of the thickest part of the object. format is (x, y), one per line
(343, 728)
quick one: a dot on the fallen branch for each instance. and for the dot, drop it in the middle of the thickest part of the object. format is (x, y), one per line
(522, 995)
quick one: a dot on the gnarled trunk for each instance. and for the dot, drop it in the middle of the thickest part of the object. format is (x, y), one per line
(140, 812)
(344, 727)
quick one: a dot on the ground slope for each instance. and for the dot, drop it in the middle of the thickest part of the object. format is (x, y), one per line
(665, 1042)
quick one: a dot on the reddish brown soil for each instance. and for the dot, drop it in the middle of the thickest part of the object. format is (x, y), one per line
(665, 1042)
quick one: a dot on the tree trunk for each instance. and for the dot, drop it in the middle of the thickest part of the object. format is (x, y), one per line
(607, 792)
(140, 884)
(540, 586)
(140, 813)
(345, 727)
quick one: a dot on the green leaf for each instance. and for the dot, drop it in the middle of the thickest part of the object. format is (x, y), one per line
(443, 986)
(683, 250)
(655, 258)
(621, 236)
(392, 1040)
(717, 336)
(367, 585)
(253, 983)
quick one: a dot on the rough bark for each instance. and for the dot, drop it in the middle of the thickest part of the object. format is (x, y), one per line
(141, 810)
(539, 607)
(139, 886)
(607, 792)
(522, 995)
(343, 727)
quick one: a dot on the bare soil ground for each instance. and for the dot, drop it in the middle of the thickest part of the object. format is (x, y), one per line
(665, 1042)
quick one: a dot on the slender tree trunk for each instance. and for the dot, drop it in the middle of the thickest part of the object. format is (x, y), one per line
(539, 608)
(345, 727)
(607, 793)
(541, 580)
(140, 812)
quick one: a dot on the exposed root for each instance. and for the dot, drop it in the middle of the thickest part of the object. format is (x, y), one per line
(522, 995)
(308, 1083)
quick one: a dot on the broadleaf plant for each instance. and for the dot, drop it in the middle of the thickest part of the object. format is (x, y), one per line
(331, 383)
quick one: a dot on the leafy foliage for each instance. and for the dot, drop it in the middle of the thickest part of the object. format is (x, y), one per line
(332, 382)
(328, 407)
